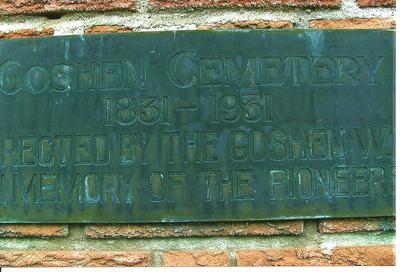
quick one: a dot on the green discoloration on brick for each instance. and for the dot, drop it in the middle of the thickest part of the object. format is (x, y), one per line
(388, 224)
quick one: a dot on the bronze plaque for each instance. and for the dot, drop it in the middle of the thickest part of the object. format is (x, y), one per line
(197, 126)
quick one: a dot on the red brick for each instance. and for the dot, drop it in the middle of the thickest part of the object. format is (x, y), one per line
(356, 224)
(202, 229)
(364, 255)
(196, 258)
(107, 29)
(192, 4)
(355, 23)
(380, 255)
(22, 230)
(74, 258)
(27, 33)
(377, 3)
(281, 257)
(63, 6)
(251, 24)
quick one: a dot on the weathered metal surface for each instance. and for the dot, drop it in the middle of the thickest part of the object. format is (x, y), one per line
(197, 126)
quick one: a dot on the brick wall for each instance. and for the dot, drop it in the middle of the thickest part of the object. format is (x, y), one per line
(365, 241)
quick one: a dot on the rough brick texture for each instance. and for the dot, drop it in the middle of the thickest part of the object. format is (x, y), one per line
(251, 24)
(74, 258)
(196, 258)
(166, 4)
(62, 6)
(107, 29)
(188, 230)
(27, 33)
(356, 224)
(33, 230)
(356, 23)
(347, 256)
(377, 3)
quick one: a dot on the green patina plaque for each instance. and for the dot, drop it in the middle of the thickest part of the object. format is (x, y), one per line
(197, 126)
